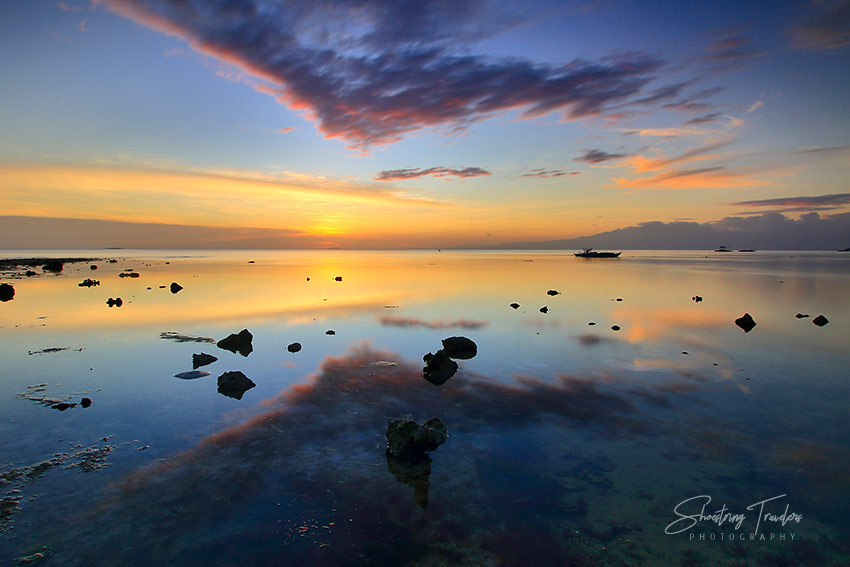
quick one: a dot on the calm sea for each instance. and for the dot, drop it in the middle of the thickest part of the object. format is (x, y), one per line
(616, 415)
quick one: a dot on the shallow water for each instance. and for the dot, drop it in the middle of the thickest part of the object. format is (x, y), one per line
(569, 443)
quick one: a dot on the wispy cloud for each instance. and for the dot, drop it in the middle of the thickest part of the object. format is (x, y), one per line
(547, 173)
(598, 156)
(374, 72)
(731, 49)
(708, 118)
(826, 29)
(804, 201)
(413, 173)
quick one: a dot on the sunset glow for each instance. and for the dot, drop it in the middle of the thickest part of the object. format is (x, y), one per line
(386, 127)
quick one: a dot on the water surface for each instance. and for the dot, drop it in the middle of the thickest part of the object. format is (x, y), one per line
(569, 442)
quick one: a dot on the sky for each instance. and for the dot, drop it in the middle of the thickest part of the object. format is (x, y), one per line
(412, 124)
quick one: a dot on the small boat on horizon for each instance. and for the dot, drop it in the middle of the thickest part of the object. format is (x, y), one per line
(746, 250)
(591, 253)
(722, 249)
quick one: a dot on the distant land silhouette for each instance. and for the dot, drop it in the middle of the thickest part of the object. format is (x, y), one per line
(768, 231)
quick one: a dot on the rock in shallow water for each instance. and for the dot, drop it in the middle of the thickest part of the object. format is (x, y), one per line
(746, 322)
(294, 347)
(192, 374)
(406, 439)
(175, 287)
(820, 320)
(234, 384)
(460, 347)
(7, 292)
(202, 359)
(439, 367)
(240, 342)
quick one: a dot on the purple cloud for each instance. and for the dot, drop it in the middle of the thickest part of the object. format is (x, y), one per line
(412, 173)
(799, 203)
(546, 173)
(372, 72)
(712, 117)
(598, 156)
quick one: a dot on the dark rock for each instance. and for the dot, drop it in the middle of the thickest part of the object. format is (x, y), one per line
(85, 402)
(294, 347)
(251, 261)
(162, 287)
(330, 332)
(93, 267)
(515, 305)
(175, 287)
(801, 316)
(234, 384)
(112, 261)
(62, 406)
(53, 266)
(88, 282)
(697, 298)
(129, 275)
(7, 292)
(592, 323)
(202, 359)
(619, 299)
(544, 309)
(192, 374)
(552, 292)
(438, 367)
(408, 440)
(820, 320)
(745, 322)
(117, 302)
(615, 327)
(460, 347)
(338, 279)
(240, 342)
(30, 273)
(415, 473)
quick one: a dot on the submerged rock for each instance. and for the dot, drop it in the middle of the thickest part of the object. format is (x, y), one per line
(7, 292)
(192, 374)
(240, 342)
(294, 347)
(175, 287)
(202, 359)
(406, 439)
(53, 266)
(439, 367)
(746, 322)
(820, 320)
(460, 347)
(234, 384)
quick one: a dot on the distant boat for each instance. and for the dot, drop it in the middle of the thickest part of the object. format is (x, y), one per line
(590, 253)
(746, 250)
(722, 249)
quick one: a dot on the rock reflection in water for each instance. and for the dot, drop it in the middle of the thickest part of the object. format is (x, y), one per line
(313, 454)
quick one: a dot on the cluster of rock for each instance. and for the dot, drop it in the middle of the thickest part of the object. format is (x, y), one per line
(88, 282)
(439, 366)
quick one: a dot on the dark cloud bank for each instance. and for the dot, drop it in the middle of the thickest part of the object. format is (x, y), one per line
(772, 231)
